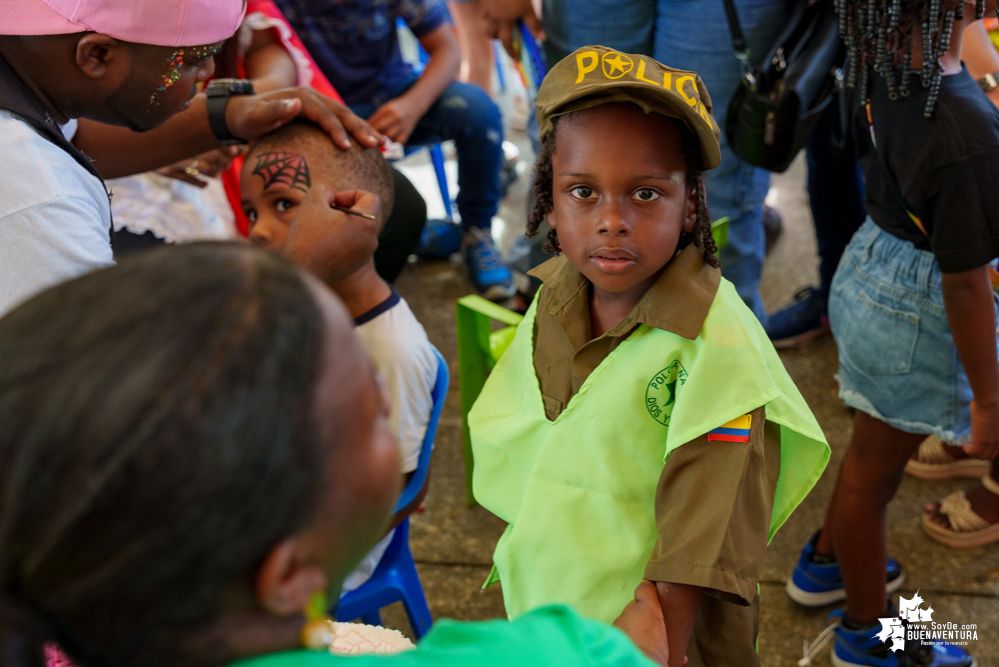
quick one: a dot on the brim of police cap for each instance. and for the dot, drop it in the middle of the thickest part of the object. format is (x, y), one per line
(588, 97)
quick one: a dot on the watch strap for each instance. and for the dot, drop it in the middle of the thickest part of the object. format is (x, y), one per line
(216, 120)
(218, 93)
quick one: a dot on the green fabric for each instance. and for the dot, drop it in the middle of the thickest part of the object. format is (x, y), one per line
(578, 493)
(553, 636)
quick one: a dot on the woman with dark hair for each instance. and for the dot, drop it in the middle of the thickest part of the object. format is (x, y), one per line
(192, 446)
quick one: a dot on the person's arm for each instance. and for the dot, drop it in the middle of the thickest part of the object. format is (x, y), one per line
(268, 64)
(642, 621)
(713, 505)
(398, 517)
(501, 18)
(118, 151)
(968, 300)
(980, 55)
(679, 603)
(397, 117)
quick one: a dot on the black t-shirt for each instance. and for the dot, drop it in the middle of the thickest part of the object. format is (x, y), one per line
(944, 169)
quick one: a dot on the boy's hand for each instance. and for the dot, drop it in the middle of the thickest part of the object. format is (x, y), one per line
(251, 116)
(642, 621)
(328, 243)
(396, 119)
(984, 431)
(209, 164)
(501, 21)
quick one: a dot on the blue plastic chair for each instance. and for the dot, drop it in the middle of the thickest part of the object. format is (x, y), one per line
(396, 579)
(436, 153)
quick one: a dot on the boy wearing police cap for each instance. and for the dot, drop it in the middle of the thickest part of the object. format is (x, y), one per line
(640, 425)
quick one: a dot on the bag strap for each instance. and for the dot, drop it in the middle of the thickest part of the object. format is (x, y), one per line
(739, 45)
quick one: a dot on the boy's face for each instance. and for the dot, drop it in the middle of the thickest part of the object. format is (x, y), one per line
(619, 195)
(274, 184)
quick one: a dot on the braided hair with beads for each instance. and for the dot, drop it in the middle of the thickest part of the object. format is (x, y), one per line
(879, 36)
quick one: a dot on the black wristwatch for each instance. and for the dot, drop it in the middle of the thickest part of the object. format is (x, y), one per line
(219, 91)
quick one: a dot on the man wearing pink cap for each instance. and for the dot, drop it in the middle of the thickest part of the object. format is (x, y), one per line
(93, 89)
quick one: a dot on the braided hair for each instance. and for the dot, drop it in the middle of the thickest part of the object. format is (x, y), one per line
(542, 194)
(879, 35)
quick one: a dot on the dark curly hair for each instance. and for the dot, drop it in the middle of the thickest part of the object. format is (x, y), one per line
(543, 187)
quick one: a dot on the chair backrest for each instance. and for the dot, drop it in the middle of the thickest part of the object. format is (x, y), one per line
(438, 394)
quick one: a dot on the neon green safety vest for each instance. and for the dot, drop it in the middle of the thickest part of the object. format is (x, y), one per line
(579, 493)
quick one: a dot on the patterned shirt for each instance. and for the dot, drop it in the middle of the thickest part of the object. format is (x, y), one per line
(355, 43)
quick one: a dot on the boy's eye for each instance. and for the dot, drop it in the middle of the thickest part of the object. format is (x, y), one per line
(646, 194)
(251, 215)
(283, 205)
(582, 192)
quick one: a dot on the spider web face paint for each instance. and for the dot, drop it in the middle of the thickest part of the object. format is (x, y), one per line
(283, 169)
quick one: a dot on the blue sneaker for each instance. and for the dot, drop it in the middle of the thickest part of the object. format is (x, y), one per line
(799, 323)
(815, 584)
(860, 647)
(486, 267)
(440, 239)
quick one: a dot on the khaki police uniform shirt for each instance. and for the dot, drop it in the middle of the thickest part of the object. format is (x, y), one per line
(714, 499)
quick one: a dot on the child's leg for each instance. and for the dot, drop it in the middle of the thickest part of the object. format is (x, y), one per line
(466, 115)
(855, 530)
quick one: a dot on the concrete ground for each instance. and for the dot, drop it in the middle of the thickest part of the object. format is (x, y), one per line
(452, 543)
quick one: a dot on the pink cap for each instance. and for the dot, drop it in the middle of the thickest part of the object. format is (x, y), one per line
(158, 22)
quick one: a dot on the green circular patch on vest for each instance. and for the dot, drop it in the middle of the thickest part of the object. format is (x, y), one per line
(660, 395)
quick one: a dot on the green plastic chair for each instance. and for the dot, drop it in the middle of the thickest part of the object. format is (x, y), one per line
(480, 347)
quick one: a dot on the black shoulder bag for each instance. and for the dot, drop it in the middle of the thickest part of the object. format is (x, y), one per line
(773, 111)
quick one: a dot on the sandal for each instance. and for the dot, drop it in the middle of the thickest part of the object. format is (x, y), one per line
(967, 529)
(934, 463)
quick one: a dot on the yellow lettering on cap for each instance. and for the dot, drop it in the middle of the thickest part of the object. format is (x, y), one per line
(583, 69)
(667, 80)
(703, 111)
(640, 75)
(692, 101)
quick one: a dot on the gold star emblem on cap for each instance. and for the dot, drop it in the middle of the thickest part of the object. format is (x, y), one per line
(616, 65)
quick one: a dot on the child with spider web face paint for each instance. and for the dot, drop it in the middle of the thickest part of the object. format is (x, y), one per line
(911, 308)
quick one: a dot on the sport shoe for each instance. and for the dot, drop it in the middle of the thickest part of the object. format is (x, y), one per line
(486, 267)
(440, 239)
(813, 584)
(801, 322)
(860, 647)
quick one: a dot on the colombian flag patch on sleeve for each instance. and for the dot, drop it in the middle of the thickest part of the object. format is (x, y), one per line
(736, 430)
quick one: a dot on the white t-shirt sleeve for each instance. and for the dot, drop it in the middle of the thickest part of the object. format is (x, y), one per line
(46, 244)
(401, 352)
(55, 217)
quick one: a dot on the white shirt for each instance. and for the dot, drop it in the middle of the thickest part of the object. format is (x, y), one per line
(402, 353)
(54, 214)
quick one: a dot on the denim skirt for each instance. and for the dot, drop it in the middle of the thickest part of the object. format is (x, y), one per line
(897, 359)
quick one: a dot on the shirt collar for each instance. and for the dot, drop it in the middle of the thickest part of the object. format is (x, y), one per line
(677, 302)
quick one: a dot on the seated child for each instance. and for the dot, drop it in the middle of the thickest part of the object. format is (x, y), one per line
(277, 173)
(634, 353)
(356, 46)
